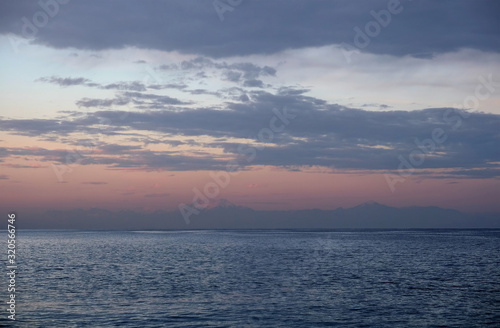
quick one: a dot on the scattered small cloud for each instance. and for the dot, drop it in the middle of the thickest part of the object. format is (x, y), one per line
(20, 166)
(64, 82)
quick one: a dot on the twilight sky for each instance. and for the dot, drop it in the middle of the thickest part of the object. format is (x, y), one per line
(145, 105)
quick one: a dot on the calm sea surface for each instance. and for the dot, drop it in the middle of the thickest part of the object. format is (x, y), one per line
(424, 278)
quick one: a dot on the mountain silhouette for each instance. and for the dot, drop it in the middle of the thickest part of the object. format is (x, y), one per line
(223, 214)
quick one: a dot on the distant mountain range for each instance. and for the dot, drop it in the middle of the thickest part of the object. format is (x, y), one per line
(223, 214)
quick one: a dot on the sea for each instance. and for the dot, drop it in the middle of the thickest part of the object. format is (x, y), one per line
(224, 278)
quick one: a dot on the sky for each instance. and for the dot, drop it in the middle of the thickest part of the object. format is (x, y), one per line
(273, 105)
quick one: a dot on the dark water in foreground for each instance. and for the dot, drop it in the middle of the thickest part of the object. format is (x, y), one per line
(432, 278)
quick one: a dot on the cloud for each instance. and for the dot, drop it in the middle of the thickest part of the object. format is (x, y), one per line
(117, 149)
(253, 83)
(36, 127)
(4, 177)
(132, 86)
(233, 76)
(179, 86)
(68, 81)
(244, 73)
(20, 166)
(473, 173)
(134, 92)
(120, 86)
(320, 134)
(246, 70)
(374, 105)
(65, 82)
(95, 183)
(162, 25)
(116, 157)
(153, 100)
(93, 102)
(141, 100)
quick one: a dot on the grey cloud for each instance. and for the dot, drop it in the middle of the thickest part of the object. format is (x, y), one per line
(141, 100)
(155, 101)
(90, 102)
(151, 161)
(204, 92)
(250, 71)
(474, 173)
(374, 105)
(320, 134)
(64, 82)
(231, 72)
(254, 83)
(47, 155)
(146, 140)
(233, 93)
(233, 76)
(196, 63)
(4, 177)
(149, 96)
(260, 27)
(20, 166)
(36, 127)
(68, 81)
(482, 173)
(179, 86)
(339, 137)
(95, 183)
(3, 151)
(132, 86)
(134, 158)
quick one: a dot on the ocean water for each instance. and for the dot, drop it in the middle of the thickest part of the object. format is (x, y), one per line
(420, 278)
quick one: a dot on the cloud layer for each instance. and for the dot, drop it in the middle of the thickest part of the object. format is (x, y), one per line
(285, 129)
(418, 28)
